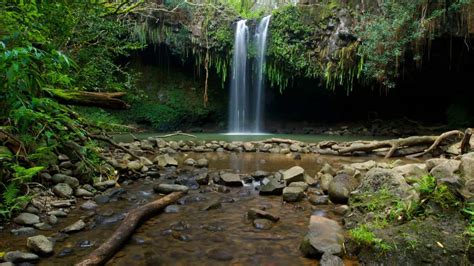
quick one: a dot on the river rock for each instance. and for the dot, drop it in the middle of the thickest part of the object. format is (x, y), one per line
(89, 205)
(26, 218)
(324, 182)
(412, 172)
(301, 185)
(324, 236)
(172, 209)
(327, 169)
(432, 163)
(32, 209)
(340, 188)
(63, 190)
(293, 194)
(134, 165)
(62, 178)
(19, 256)
(80, 192)
(190, 162)
(467, 166)
(23, 231)
(169, 188)
(310, 181)
(203, 162)
(272, 187)
(43, 226)
(446, 169)
(231, 179)
(105, 184)
(255, 213)
(318, 200)
(145, 161)
(330, 260)
(40, 245)
(52, 219)
(365, 166)
(262, 224)
(378, 178)
(294, 174)
(165, 160)
(77, 226)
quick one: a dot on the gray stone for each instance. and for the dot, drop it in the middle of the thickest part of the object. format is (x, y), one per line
(63, 190)
(293, 194)
(378, 178)
(318, 200)
(432, 163)
(172, 209)
(40, 245)
(23, 231)
(310, 181)
(134, 165)
(145, 161)
(89, 205)
(327, 169)
(52, 219)
(365, 166)
(62, 203)
(412, 172)
(301, 185)
(62, 178)
(342, 209)
(324, 236)
(202, 163)
(446, 169)
(58, 213)
(190, 162)
(231, 179)
(202, 178)
(66, 165)
(165, 160)
(19, 256)
(169, 188)
(43, 226)
(467, 166)
(324, 182)
(26, 218)
(32, 209)
(330, 260)
(272, 187)
(80, 192)
(294, 174)
(75, 227)
(63, 157)
(7, 264)
(262, 224)
(295, 147)
(105, 184)
(255, 213)
(340, 188)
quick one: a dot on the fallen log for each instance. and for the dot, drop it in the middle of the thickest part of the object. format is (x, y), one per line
(278, 141)
(108, 249)
(177, 133)
(108, 100)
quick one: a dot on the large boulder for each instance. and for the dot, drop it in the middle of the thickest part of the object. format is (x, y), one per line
(467, 166)
(378, 178)
(365, 166)
(294, 174)
(324, 182)
(40, 245)
(341, 187)
(412, 172)
(446, 169)
(325, 236)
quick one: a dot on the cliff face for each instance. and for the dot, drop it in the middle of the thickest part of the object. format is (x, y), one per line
(341, 42)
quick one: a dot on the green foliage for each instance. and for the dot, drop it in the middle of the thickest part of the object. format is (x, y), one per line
(469, 211)
(363, 236)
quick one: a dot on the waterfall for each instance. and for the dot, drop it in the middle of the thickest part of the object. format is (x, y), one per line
(239, 89)
(261, 45)
(247, 98)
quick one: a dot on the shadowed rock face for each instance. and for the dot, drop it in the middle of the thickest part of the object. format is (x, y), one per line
(324, 236)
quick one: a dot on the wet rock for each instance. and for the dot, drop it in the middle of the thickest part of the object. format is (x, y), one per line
(220, 254)
(89, 205)
(213, 206)
(32, 209)
(77, 226)
(324, 182)
(191, 199)
(432, 163)
(169, 188)
(188, 182)
(58, 213)
(318, 200)
(145, 161)
(330, 260)
(365, 166)
(260, 174)
(80, 192)
(467, 166)
(43, 226)
(23, 231)
(109, 219)
(40, 245)
(202, 178)
(324, 236)
(327, 169)
(46, 176)
(19, 256)
(294, 174)
(101, 199)
(295, 147)
(62, 178)
(52, 219)
(412, 172)
(230, 179)
(66, 165)
(255, 213)
(310, 181)
(172, 209)
(448, 168)
(165, 160)
(262, 224)
(301, 185)
(105, 184)
(202, 163)
(26, 219)
(63, 157)
(342, 209)
(293, 194)
(85, 244)
(190, 162)
(62, 203)
(65, 252)
(63, 190)
(340, 188)
(272, 187)
(134, 165)
(378, 178)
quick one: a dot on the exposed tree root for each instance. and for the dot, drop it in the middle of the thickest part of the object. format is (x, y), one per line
(126, 229)
(397, 145)
(177, 133)
(466, 141)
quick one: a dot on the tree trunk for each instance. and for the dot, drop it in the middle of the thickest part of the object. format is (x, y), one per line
(108, 249)
(85, 98)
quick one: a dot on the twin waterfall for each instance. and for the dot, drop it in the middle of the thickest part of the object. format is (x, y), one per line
(247, 95)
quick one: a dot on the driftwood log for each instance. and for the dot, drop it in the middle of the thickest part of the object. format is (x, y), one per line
(177, 133)
(466, 141)
(108, 249)
(108, 100)
(397, 145)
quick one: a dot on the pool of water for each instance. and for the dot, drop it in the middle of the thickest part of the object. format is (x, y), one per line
(246, 137)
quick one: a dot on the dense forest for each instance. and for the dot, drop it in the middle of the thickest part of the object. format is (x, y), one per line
(76, 74)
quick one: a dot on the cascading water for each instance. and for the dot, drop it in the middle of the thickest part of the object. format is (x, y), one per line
(259, 86)
(247, 99)
(239, 96)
